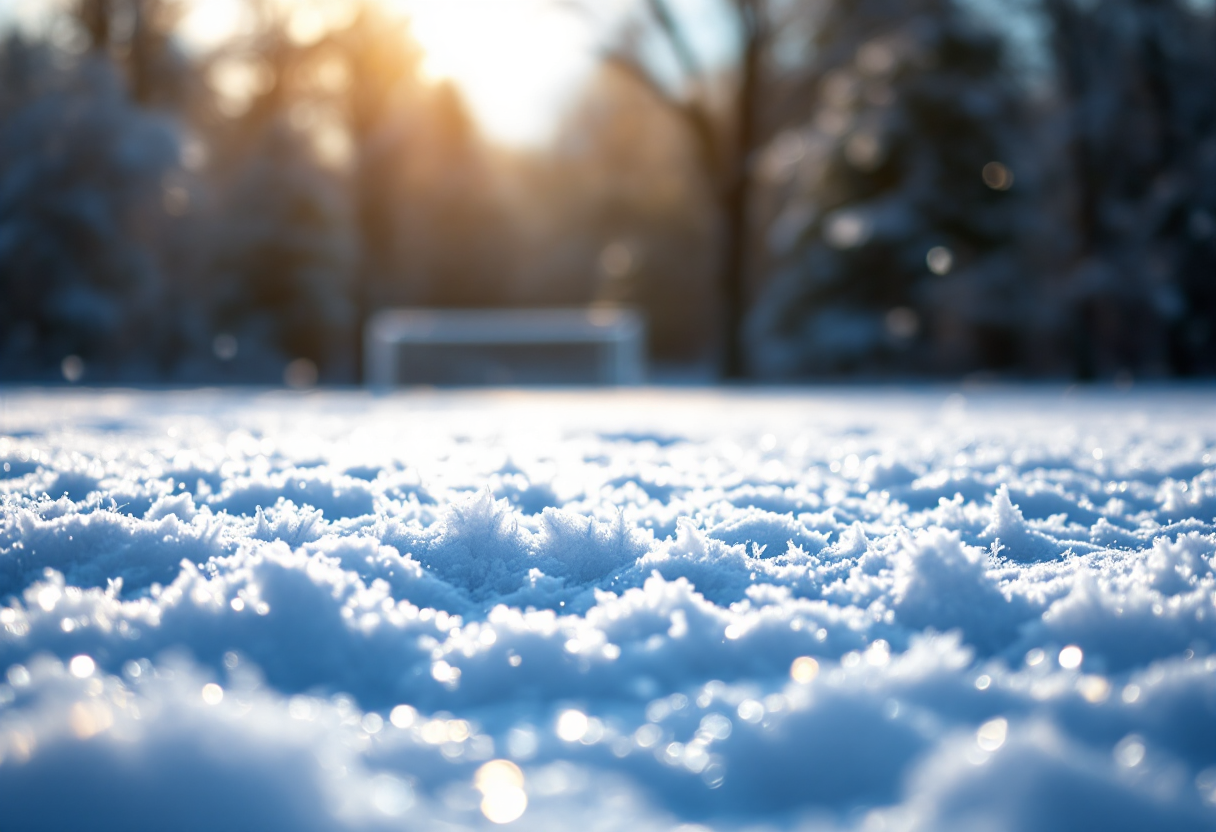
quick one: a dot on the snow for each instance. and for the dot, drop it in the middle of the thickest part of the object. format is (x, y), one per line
(851, 609)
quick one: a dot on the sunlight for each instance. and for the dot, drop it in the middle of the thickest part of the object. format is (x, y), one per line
(208, 25)
(517, 61)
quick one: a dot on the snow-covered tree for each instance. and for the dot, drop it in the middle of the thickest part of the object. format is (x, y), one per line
(90, 188)
(1137, 127)
(901, 201)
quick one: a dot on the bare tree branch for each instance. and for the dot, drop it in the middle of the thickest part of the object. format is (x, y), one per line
(725, 146)
(690, 111)
(680, 47)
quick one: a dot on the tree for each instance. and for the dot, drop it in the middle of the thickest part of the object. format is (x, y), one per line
(88, 196)
(902, 202)
(285, 257)
(137, 37)
(409, 162)
(1137, 129)
(614, 220)
(725, 142)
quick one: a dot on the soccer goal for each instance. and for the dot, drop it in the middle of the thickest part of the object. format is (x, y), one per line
(505, 347)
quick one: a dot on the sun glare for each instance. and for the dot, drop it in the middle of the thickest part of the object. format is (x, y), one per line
(517, 61)
(208, 24)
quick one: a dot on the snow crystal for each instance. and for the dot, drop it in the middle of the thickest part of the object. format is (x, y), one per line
(903, 609)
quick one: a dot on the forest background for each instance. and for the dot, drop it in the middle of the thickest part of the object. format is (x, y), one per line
(838, 189)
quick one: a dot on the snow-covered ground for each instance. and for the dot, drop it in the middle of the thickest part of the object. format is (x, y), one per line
(868, 610)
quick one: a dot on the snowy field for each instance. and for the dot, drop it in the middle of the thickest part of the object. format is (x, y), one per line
(847, 610)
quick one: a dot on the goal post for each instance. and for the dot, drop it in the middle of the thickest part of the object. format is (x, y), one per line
(589, 346)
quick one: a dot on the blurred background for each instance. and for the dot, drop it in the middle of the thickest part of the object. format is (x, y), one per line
(217, 191)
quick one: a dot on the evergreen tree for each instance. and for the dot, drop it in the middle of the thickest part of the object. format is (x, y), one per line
(285, 249)
(902, 201)
(1138, 135)
(90, 187)
(136, 36)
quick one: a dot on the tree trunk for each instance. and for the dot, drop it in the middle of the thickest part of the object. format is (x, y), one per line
(732, 272)
(735, 196)
(94, 17)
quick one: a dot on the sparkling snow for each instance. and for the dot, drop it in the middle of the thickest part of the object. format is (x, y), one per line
(863, 610)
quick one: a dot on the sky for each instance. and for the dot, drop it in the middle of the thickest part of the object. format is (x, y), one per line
(517, 61)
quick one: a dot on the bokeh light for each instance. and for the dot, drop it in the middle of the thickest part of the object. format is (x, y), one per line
(501, 784)
(572, 725)
(82, 667)
(1070, 657)
(997, 176)
(804, 670)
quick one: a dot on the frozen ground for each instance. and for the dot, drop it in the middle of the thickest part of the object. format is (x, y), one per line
(848, 610)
